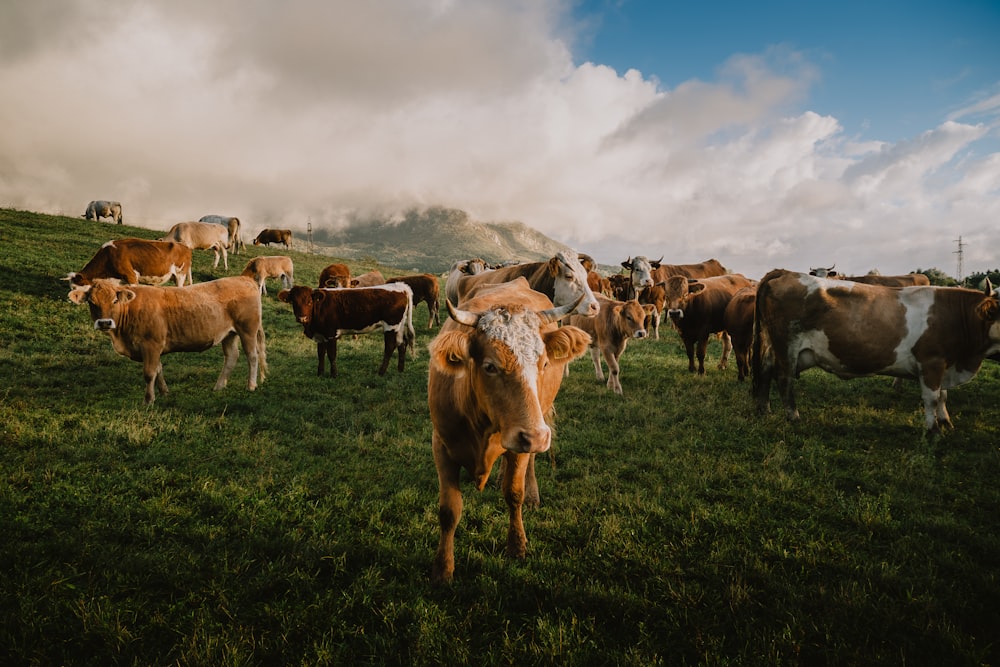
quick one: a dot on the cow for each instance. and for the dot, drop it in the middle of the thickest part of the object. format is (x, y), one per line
(561, 278)
(369, 279)
(610, 331)
(104, 209)
(135, 261)
(236, 244)
(269, 236)
(495, 369)
(646, 273)
(738, 323)
(904, 280)
(335, 275)
(460, 268)
(656, 297)
(621, 286)
(936, 335)
(426, 289)
(274, 266)
(325, 314)
(147, 322)
(696, 308)
(202, 236)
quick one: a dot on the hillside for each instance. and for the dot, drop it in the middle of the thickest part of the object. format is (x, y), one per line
(432, 239)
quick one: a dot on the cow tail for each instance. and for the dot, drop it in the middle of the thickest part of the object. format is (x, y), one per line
(409, 334)
(762, 353)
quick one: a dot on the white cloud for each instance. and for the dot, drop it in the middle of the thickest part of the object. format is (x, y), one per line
(284, 112)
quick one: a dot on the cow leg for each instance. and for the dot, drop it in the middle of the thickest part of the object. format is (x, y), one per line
(434, 309)
(595, 355)
(786, 388)
(250, 341)
(225, 258)
(230, 354)
(727, 347)
(513, 492)
(389, 345)
(614, 383)
(449, 512)
(935, 411)
(401, 358)
(152, 373)
(331, 352)
(531, 495)
(320, 355)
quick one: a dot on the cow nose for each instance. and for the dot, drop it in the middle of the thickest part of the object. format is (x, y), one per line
(641, 333)
(675, 312)
(104, 324)
(534, 441)
(594, 308)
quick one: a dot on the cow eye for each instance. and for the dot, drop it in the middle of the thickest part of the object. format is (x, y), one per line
(490, 368)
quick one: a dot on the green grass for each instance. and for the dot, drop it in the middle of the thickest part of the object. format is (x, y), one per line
(297, 524)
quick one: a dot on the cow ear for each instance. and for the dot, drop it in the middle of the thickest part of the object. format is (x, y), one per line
(695, 288)
(988, 309)
(566, 343)
(450, 351)
(125, 295)
(318, 295)
(79, 295)
(554, 266)
(283, 295)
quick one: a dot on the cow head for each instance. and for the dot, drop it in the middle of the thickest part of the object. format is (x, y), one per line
(512, 366)
(641, 269)
(678, 291)
(301, 299)
(823, 272)
(631, 318)
(106, 298)
(571, 284)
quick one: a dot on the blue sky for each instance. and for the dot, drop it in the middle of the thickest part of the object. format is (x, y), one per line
(865, 134)
(886, 69)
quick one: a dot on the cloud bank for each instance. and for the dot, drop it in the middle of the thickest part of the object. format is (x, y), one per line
(283, 113)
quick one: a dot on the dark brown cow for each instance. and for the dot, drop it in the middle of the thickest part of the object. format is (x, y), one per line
(621, 286)
(335, 275)
(147, 322)
(494, 373)
(135, 261)
(738, 322)
(610, 331)
(937, 335)
(696, 308)
(325, 314)
(562, 279)
(426, 289)
(269, 236)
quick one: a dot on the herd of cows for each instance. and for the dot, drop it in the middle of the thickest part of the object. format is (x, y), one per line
(498, 360)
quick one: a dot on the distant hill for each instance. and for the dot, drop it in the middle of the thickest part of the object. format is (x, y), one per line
(432, 239)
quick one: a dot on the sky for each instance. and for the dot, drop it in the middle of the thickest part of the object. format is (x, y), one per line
(860, 134)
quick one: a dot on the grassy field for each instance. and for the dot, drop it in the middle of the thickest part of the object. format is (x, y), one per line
(296, 525)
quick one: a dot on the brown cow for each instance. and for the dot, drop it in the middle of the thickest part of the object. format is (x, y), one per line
(135, 261)
(147, 322)
(904, 280)
(646, 273)
(236, 244)
(621, 286)
(459, 269)
(202, 236)
(562, 279)
(610, 331)
(370, 279)
(738, 322)
(269, 236)
(937, 335)
(696, 308)
(655, 296)
(494, 373)
(335, 275)
(426, 288)
(274, 266)
(327, 313)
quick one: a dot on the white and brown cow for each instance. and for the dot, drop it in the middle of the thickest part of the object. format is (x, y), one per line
(271, 266)
(325, 314)
(426, 288)
(494, 373)
(202, 236)
(269, 236)
(369, 279)
(610, 331)
(696, 307)
(562, 279)
(231, 223)
(135, 261)
(147, 322)
(936, 335)
(459, 269)
(100, 208)
(646, 273)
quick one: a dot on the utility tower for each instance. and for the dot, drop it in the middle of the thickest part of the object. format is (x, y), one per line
(961, 247)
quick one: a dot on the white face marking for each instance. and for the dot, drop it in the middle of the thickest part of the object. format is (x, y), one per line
(571, 283)
(518, 332)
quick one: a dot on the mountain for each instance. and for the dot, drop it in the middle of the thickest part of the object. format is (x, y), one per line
(432, 239)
